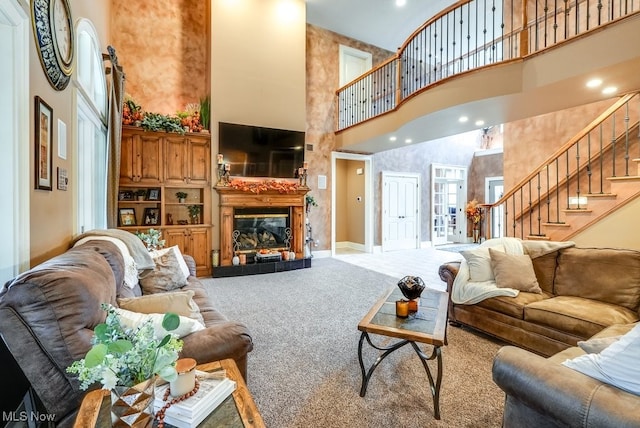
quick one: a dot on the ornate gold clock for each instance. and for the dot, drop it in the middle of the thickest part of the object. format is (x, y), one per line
(53, 32)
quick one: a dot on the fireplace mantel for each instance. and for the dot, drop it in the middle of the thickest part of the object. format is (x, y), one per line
(231, 198)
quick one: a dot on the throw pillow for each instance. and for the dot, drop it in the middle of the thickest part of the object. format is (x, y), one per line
(166, 276)
(617, 365)
(176, 250)
(597, 344)
(479, 263)
(514, 271)
(178, 302)
(129, 319)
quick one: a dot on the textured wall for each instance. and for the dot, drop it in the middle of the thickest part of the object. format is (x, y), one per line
(163, 47)
(482, 166)
(323, 78)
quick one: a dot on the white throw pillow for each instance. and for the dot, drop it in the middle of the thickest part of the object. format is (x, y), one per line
(479, 263)
(617, 365)
(183, 265)
(129, 319)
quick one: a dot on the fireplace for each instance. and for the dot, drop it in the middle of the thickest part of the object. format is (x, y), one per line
(270, 211)
(261, 228)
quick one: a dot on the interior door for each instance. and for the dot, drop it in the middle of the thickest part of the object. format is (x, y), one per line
(448, 196)
(400, 211)
(353, 63)
(495, 191)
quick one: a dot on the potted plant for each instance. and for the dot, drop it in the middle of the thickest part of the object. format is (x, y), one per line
(140, 194)
(182, 196)
(310, 202)
(151, 239)
(127, 360)
(194, 212)
(205, 112)
(474, 214)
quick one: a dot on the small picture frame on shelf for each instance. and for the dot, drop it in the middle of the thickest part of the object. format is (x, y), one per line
(153, 194)
(151, 216)
(125, 195)
(127, 216)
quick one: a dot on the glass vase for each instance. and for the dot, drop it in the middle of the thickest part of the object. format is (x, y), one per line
(133, 406)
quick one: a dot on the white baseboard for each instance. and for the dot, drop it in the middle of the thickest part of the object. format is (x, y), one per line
(350, 245)
(377, 249)
(321, 254)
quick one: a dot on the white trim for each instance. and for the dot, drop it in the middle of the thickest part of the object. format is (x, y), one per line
(461, 221)
(347, 50)
(351, 245)
(17, 131)
(487, 152)
(487, 180)
(368, 198)
(322, 254)
(418, 177)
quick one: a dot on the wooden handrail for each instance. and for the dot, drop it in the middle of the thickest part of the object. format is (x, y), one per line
(581, 134)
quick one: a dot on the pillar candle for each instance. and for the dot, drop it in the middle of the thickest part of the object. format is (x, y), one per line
(220, 159)
(402, 308)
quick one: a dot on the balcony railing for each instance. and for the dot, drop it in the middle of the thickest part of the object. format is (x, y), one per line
(469, 35)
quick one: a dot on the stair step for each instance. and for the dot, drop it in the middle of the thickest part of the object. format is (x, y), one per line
(625, 178)
(576, 211)
(537, 238)
(556, 224)
(600, 195)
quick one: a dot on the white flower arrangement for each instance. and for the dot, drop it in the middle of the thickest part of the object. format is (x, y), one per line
(126, 357)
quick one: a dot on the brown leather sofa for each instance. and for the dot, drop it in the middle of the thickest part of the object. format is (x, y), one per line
(541, 392)
(584, 290)
(48, 313)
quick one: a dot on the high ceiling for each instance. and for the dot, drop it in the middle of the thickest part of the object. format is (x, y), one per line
(377, 22)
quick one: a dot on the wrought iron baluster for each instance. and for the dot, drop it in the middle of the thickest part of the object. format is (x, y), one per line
(613, 143)
(626, 139)
(557, 189)
(566, 155)
(578, 172)
(539, 206)
(589, 171)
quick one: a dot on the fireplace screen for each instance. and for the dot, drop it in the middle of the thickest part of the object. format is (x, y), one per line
(261, 228)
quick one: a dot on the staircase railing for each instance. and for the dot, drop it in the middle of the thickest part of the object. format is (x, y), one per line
(469, 35)
(578, 170)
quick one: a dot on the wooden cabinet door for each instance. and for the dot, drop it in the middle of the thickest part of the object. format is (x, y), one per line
(150, 155)
(175, 160)
(200, 250)
(199, 161)
(129, 166)
(179, 237)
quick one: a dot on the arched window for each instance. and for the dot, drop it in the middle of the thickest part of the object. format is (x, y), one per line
(92, 130)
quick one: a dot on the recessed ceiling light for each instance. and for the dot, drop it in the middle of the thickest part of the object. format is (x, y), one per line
(392, 138)
(401, 3)
(609, 90)
(463, 119)
(408, 141)
(594, 83)
(479, 122)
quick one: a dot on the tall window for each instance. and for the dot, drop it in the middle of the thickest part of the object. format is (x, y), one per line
(92, 131)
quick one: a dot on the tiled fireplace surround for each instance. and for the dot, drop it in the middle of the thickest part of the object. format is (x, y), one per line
(232, 199)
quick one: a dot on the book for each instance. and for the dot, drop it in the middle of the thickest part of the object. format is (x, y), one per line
(190, 412)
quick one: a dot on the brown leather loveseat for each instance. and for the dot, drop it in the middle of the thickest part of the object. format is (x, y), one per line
(47, 316)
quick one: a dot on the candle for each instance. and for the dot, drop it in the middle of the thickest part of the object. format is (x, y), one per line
(305, 165)
(402, 308)
(220, 159)
(413, 305)
(243, 259)
(227, 166)
(186, 380)
(300, 171)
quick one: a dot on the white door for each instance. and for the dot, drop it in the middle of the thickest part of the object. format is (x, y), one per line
(494, 190)
(400, 211)
(353, 63)
(448, 196)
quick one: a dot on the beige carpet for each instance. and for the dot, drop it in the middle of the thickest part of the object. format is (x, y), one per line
(304, 372)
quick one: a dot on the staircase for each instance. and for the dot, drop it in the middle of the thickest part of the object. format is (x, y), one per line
(593, 174)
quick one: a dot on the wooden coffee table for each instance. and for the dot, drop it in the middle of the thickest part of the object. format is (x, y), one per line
(238, 410)
(428, 325)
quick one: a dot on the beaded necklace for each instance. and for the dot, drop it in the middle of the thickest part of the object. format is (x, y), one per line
(161, 412)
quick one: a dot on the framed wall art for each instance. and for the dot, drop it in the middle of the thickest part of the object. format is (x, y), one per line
(151, 216)
(153, 194)
(43, 145)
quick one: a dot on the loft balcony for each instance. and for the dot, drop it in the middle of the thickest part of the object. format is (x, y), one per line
(476, 59)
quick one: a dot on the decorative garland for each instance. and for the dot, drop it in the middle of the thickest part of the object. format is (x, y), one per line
(264, 186)
(160, 414)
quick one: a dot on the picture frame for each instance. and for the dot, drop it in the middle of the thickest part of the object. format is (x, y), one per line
(127, 217)
(151, 216)
(125, 195)
(153, 194)
(43, 156)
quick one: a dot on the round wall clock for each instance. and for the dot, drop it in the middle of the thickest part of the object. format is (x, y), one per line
(53, 31)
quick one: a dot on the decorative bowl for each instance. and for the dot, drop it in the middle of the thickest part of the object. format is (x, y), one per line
(411, 286)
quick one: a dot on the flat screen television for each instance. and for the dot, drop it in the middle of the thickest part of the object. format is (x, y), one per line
(254, 151)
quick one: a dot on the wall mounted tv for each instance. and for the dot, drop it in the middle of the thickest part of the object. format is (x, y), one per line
(254, 151)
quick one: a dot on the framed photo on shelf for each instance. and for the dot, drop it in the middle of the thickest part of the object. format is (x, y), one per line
(151, 216)
(125, 195)
(127, 217)
(43, 142)
(153, 194)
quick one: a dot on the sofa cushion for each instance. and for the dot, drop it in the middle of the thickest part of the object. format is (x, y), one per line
(616, 365)
(545, 269)
(178, 302)
(166, 276)
(513, 306)
(577, 315)
(596, 345)
(130, 319)
(514, 271)
(479, 262)
(603, 274)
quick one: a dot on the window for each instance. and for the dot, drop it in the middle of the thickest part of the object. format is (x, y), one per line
(92, 131)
